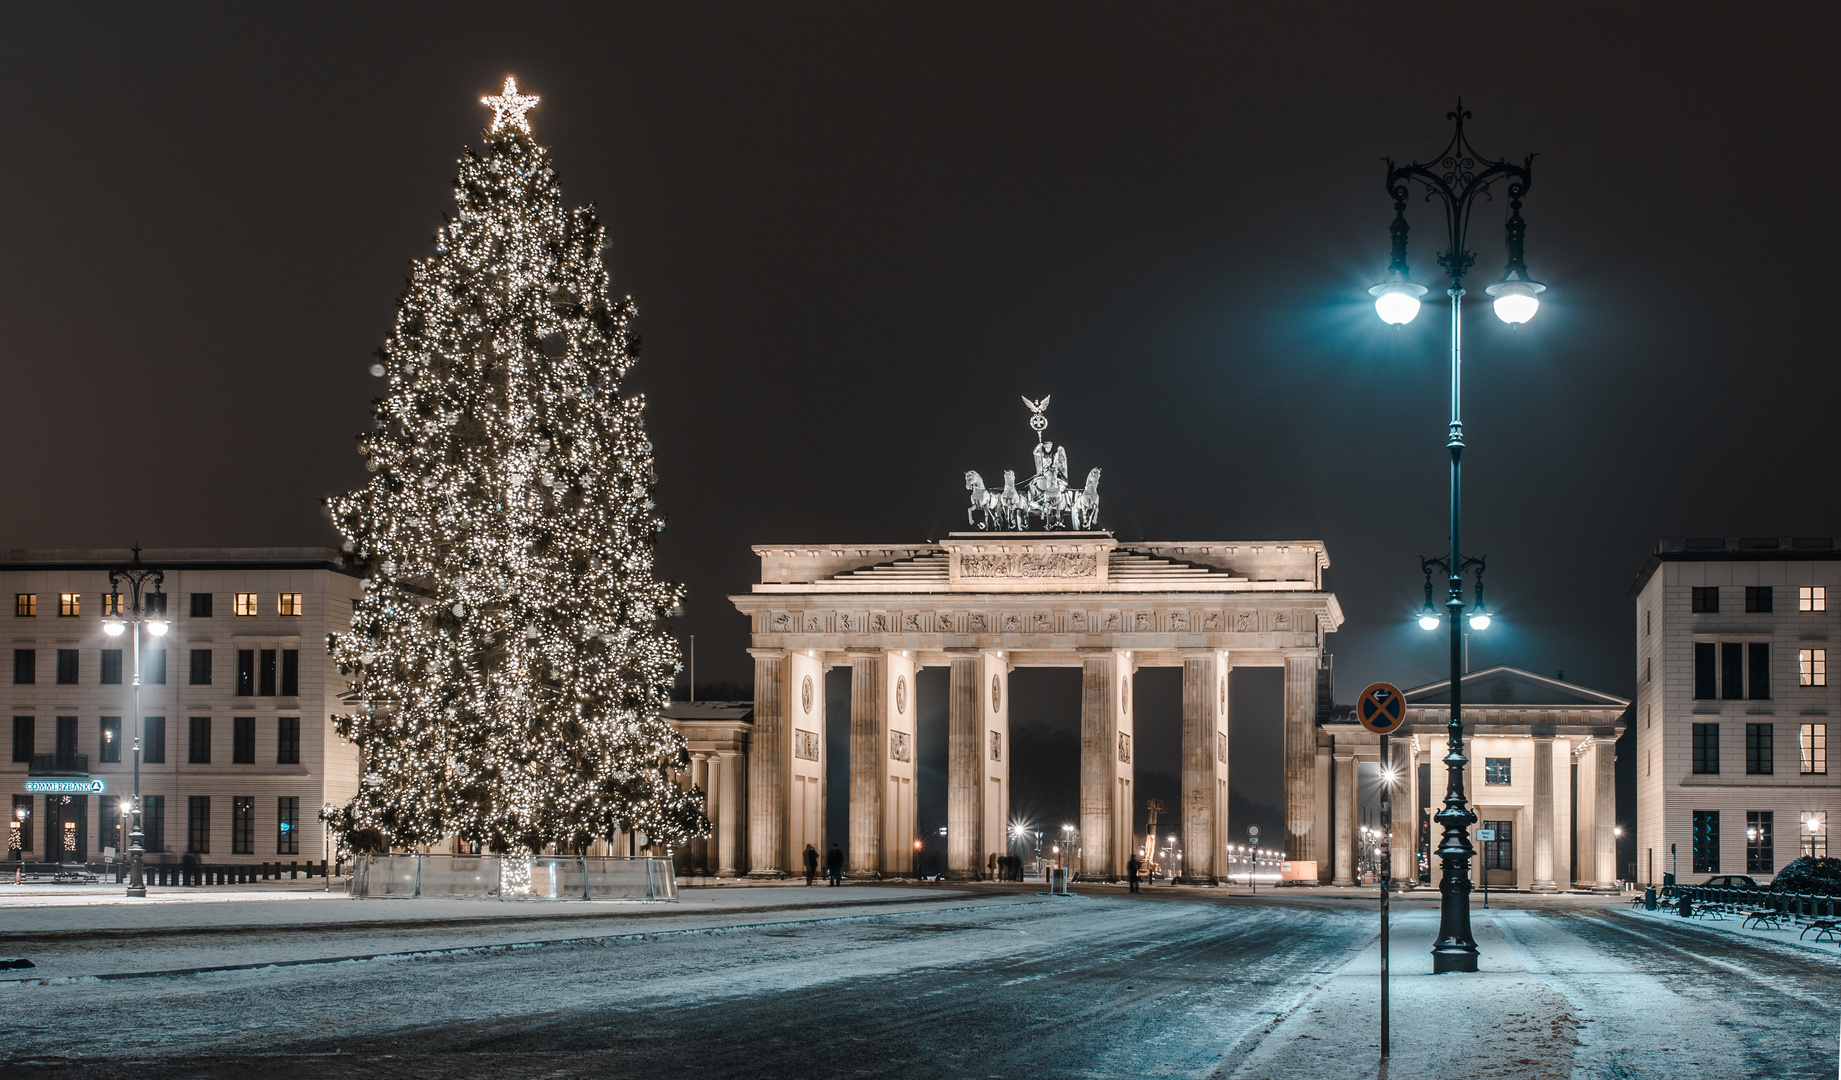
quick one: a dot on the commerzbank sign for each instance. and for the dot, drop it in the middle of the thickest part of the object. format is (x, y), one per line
(72, 786)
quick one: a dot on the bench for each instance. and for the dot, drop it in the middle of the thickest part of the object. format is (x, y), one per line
(1769, 918)
(1823, 928)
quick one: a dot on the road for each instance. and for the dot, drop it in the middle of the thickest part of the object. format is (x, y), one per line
(903, 982)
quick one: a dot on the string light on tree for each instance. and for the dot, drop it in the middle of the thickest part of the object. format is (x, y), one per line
(508, 657)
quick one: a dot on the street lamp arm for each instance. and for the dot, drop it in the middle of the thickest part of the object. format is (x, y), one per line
(1458, 176)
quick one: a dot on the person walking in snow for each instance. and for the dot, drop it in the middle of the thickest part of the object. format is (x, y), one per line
(834, 865)
(811, 864)
(1131, 871)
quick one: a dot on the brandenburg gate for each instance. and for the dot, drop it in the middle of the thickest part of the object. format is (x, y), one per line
(984, 604)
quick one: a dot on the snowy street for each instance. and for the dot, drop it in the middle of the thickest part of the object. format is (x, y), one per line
(875, 981)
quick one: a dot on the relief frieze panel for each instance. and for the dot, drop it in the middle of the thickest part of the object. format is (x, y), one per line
(1059, 565)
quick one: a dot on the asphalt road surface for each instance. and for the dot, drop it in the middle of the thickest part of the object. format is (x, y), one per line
(903, 983)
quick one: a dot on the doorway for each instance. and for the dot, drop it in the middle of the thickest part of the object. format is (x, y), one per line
(66, 828)
(1499, 854)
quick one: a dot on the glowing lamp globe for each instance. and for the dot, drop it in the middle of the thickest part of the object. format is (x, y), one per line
(113, 626)
(1428, 619)
(1517, 298)
(1396, 300)
(157, 627)
(1479, 620)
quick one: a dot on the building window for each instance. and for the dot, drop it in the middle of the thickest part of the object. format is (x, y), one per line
(1706, 675)
(1496, 770)
(1812, 598)
(1706, 600)
(1645, 716)
(1646, 668)
(198, 751)
(246, 672)
(1812, 667)
(1706, 841)
(25, 605)
(1732, 671)
(290, 673)
(111, 667)
(201, 667)
(67, 741)
(25, 666)
(287, 825)
(110, 737)
(287, 603)
(1706, 749)
(201, 605)
(67, 667)
(287, 740)
(243, 740)
(266, 674)
(243, 825)
(153, 822)
(1758, 751)
(21, 823)
(70, 604)
(1499, 854)
(1649, 757)
(153, 744)
(1759, 858)
(198, 824)
(1760, 683)
(1758, 599)
(1814, 747)
(111, 603)
(1646, 614)
(22, 739)
(153, 671)
(244, 604)
(1813, 840)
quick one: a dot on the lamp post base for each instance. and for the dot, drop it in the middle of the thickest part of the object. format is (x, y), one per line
(1455, 958)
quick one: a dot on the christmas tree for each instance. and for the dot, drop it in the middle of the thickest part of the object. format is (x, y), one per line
(509, 658)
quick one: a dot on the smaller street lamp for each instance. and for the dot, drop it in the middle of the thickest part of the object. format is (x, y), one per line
(148, 611)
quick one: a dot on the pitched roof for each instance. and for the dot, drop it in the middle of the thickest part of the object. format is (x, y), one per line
(1502, 685)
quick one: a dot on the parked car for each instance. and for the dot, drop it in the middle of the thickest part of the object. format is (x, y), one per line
(1730, 881)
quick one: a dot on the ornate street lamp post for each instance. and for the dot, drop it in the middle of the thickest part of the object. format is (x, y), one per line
(1456, 179)
(150, 611)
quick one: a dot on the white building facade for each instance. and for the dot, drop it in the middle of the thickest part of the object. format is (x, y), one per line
(239, 751)
(1734, 705)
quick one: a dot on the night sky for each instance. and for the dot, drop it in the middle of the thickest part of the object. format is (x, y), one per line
(857, 237)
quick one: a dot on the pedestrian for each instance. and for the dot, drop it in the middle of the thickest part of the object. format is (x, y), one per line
(1131, 871)
(834, 865)
(811, 864)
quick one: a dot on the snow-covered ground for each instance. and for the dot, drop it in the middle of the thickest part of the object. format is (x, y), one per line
(903, 981)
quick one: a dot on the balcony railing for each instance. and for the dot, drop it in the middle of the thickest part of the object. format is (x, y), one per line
(59, 765)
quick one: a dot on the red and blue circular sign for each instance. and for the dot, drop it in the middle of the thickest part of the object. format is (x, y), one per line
(1381, 708)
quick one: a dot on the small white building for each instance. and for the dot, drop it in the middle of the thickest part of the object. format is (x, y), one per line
(1734, 705)
(239, 751)
(1541, 777)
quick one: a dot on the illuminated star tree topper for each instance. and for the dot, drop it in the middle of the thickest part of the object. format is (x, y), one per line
(508, 108)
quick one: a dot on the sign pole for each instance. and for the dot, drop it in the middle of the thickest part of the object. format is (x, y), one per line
(1387, 822)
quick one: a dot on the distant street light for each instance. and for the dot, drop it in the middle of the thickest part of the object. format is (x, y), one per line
(151, 613)
(1455, 179)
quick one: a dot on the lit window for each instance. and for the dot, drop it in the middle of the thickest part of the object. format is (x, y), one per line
(70, 604)
(1813, 666)
(25, 605)
(1815, 834)
(287, 603)
(111, 603)
(245, 603)
(1496, 770)
(1812, 598)
(1815, 749)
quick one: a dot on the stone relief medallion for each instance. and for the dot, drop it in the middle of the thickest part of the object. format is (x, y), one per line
(814, 625)
(1125, 694)
(879, 623)
(1281, 622)
(1077, 621)
(942, 623)
(1042, 623)
(1245, 622)
(975, 623)
(901, 697)
(1222, 751)
(1179, 621)
(1013, 623)
(1500, 690)
(910, 620)
(782, 622)
(1112, 622)
(845, 623)
(1026, 565)
(899, 750)
(805, 694)
(997, 694)
(997, 746)
(805, 744)
(1142, 622)
(1125, 747)
(1211, 620)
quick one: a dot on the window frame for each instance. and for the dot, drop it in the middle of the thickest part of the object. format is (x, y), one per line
(1706, 749)
(1812, 749)
(1812, 842)
(25, 662)
(153, 740)
(153, 822)
(109, 665)
(1812, 598)
(1760, 749)
(25, 605)
(1498, 770)
(242, 825)
(25, 739)
(199, 662)
(70, 664)
(246, 605)
(198, 824)
(201, 605)
(198, 741)
(290, 605)
(1705, 845)
(1760, 844)
(1812, 667)
(70, 605)
(108, 751)
(1706, 671)
(1705, 600)
(242, 740)
(1758, 671)
(287, 740)
(287, 813)
(1760, 599)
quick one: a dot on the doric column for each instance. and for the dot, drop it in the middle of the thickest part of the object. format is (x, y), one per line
(1605, 812)
(1543, 815)
(1344, 811)
(1204, 809)
(725, 814)
(964, 772)
(767, 768)
(1300, 757)
(1401, 811)
(1097, 770)
(868, 755)
(700, 781)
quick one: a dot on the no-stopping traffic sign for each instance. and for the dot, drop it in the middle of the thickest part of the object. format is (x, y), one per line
(1381, 708)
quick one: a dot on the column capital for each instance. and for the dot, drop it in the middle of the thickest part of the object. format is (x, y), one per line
(768, 654)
